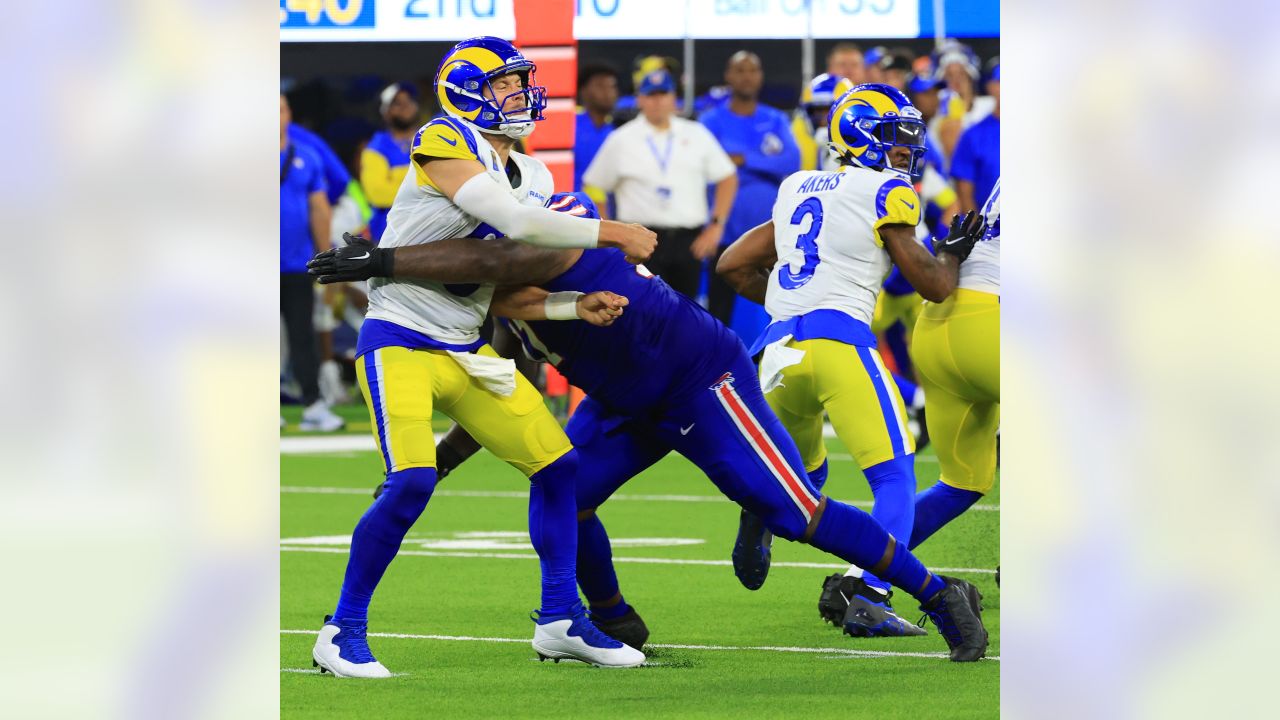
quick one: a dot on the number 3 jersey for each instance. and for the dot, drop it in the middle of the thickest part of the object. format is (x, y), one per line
(827, 234)
(436, 314)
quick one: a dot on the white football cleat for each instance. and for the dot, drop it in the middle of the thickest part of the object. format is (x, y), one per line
(343, 650)
(573, 637)
(318, 417)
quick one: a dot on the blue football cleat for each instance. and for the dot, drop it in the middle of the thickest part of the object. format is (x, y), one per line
(869, 613)
(572, 637)
(343, 650)
(956, 610)
(752, 551)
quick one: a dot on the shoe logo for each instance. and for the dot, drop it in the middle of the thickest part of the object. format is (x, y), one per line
(685, 430)
(361, 257)
(904, 202)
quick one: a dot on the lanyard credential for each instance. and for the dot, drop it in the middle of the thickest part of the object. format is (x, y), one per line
(664, 160)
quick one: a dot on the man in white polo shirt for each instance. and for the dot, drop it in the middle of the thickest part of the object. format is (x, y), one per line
(658, 166)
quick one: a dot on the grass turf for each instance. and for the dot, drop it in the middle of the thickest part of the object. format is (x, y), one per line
(684, 604)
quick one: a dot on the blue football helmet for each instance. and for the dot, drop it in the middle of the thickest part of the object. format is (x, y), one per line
(469, 68)
(871, 118)
(817, 96)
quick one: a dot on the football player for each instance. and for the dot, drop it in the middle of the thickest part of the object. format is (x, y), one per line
(956, 350)
(666, 376)
(818, 267)
(420, 350)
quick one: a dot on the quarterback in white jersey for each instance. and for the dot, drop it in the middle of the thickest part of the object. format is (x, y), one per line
(420, 350)
(818, 266)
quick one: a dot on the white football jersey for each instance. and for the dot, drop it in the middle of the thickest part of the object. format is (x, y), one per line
(981, 270)
(422, 214)
(827, 235)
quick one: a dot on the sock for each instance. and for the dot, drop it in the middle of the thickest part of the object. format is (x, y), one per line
(377, 537)
(893, 485)
(896, 338)
(855, 537)
(596, 575)
(937, 506)
(819, 477)
(910, 391)
(553, 529)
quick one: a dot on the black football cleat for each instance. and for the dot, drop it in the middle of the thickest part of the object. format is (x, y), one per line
(956, 610)
(870, 614)
(629, 629)
(752, 551)
(834, 600)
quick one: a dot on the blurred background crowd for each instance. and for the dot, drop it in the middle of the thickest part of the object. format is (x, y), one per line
(345, 138)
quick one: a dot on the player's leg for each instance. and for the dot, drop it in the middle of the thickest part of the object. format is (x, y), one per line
(743, 448)
(956, 346)
(869, 416)
(398, 385)
(611, 450)
(795, 404)
(457, 445)
(519, 430)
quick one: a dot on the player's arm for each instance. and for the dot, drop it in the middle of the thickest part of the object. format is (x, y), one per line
(454, 260)
(934, 277)
(533, 303)
(469, 187)
(321, 215)
(964, 194)
(746, 264)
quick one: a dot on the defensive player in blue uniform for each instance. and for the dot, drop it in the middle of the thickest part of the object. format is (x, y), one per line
(665, 376)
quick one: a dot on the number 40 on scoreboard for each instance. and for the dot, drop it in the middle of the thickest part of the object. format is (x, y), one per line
(327, 13)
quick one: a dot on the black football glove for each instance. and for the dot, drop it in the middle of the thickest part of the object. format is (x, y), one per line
(358, 260)
(964, 233)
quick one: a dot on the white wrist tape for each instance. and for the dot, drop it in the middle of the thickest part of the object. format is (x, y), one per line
(483, 198)
(562, 305)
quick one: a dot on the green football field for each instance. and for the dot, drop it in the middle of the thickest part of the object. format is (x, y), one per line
(451, 617)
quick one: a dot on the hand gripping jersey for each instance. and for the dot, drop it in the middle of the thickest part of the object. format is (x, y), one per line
(981, 270)
(827, 234)
(449, 315)
(663, 347)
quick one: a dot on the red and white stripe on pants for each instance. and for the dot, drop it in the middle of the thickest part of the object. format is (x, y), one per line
(760, 441)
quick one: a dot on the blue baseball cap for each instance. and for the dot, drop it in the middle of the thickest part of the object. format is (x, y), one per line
(922, 83)
(390, 92)
(658, 81)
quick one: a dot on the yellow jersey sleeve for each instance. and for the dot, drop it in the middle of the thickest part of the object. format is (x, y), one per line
(810, 153)
(896, 204)
(380, 181)
(443, 139)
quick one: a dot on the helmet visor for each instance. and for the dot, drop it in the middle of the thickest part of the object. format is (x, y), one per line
(906, 132)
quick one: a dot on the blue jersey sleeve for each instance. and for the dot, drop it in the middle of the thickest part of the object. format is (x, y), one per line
(964, 162)
(776, 155)
(336, 176)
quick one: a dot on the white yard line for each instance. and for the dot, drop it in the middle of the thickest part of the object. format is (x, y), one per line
(616, 558)
(844, 652)
(326, 444)
(519, 495)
